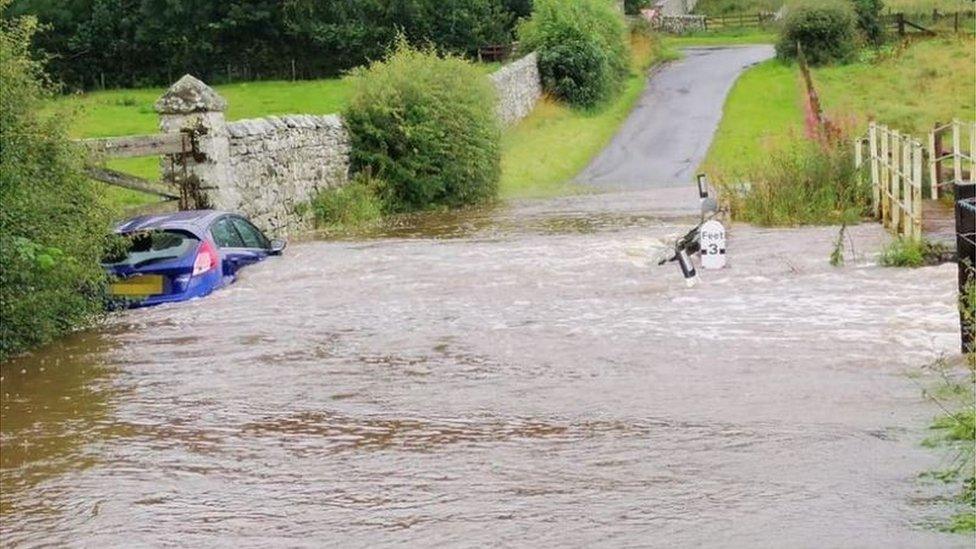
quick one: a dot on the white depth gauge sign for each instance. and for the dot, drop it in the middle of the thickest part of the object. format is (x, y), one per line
(712, 238)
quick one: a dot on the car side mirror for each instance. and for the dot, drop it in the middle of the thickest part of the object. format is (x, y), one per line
(277, 246)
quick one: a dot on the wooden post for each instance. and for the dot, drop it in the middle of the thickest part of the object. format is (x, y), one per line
(933, 164)
(901, 24)
(955, 23)
(917, 190)
(965, 233)
(972, 153)
(875, 183)
(905, 222)
(957, 150)
(895, 183)
(884, 183)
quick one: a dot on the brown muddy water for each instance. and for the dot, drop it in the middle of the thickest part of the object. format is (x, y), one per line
(511, 377)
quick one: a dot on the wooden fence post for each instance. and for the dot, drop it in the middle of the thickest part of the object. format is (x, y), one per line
(917, 190)
(906, 186)
(933, 164)
(895, 183)
(884, 182)
(957, 150)
(875, 183)
(972, 153)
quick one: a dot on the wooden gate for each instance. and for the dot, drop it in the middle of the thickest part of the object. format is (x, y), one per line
(177, 147)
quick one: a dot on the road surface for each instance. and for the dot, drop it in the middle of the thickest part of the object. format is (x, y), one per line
(668, 134)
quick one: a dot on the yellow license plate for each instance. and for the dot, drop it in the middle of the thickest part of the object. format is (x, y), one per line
(138, 286)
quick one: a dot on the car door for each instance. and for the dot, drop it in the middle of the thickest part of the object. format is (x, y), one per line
(234, 252)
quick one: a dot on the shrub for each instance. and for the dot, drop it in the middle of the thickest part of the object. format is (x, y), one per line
(426, 125)
(633, 7)
(908, 252)
(583, 49)
(826, 29)
(869, 20)
(803, 184)
(356, 204)
(52, 223)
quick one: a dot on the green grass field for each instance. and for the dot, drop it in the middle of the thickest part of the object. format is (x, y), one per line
(930, 81)
(764, 107)
(725, 37)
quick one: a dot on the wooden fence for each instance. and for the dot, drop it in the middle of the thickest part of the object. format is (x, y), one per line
(895, 162)
(898, 164)
(742, 20)
(951, 163)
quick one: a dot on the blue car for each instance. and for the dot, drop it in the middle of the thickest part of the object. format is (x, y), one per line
(179, 256)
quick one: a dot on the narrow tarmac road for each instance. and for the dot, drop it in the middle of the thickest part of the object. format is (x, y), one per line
(668, 134)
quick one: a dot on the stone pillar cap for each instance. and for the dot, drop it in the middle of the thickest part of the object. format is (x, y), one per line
(190, 95)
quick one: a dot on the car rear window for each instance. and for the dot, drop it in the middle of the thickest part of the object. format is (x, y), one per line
(146, 247)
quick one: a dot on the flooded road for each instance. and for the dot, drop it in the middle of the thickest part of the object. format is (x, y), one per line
(510, 377)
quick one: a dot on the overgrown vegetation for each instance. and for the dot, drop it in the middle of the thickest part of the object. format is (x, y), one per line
(353, 205)
(869, 20)
(826, 30)
(136, 43)
(911, 252)
(582, 47)
(799, 184)
(426, 125)
(52, 220)
(956, 427)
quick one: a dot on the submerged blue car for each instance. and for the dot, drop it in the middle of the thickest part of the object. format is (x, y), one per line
(179, 256)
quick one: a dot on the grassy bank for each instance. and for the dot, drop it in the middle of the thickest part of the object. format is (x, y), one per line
(910, 89)
(763, 109)
(548, 148)
(726, 37)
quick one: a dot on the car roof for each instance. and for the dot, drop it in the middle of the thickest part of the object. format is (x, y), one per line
(195, 222)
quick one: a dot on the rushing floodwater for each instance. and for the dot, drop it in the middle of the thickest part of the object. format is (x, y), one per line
(496, 378)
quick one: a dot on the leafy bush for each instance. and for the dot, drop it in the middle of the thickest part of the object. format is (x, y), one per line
(908, 252)
(826, 30)
(583, 48)
(52, 222)
(633, 7)
(804, 184)
(869, 20)
(426, 125)
(356, 204)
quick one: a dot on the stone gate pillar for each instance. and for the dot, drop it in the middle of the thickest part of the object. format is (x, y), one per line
(204, 176)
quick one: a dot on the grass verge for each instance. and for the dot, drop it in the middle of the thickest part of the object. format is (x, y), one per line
(724, 37)
(542, 154)
(954, 431)
(762, 111)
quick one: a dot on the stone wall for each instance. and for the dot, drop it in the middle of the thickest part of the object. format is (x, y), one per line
(280, 163)
(519, 88)
(675, 7)
(265, 168)
(268, 168)
(680, 24)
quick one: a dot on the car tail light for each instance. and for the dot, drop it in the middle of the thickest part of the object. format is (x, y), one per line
(206, 259)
